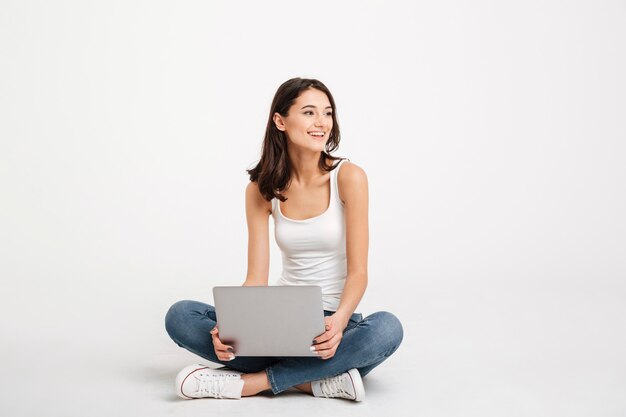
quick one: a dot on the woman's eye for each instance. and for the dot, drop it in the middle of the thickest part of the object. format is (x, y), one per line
(328, 114)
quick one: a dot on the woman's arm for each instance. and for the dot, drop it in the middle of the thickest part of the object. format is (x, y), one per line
(257, 216)
(258, 210)
(353, 187)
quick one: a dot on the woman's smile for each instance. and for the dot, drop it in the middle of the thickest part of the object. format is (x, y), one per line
(317, 135)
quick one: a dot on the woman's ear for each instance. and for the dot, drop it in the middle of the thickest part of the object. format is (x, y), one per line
(278, 121)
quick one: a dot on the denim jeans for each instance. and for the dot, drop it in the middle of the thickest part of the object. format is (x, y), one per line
(366, 343)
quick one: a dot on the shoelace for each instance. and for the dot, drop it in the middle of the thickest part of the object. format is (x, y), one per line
(332, 387)
(211, 385)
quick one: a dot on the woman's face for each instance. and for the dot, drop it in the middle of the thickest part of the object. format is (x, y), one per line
(309, 121)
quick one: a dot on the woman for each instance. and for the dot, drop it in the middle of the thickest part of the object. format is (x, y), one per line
(321, 218)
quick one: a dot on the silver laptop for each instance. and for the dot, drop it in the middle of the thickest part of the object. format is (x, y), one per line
(279, 320)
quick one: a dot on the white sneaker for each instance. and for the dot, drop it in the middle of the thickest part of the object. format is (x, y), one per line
(200, 381)
(347, 385)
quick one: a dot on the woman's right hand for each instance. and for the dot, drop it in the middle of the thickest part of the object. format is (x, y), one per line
(223, 352)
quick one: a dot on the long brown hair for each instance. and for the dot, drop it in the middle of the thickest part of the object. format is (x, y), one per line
(273, 171)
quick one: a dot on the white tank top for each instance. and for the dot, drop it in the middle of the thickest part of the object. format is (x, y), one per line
(314, 249)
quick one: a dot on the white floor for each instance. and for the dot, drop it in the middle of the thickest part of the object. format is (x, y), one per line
(499, 353)
(67, 382)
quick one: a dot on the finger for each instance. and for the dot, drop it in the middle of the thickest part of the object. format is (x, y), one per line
(224, 348)
(328, 355)
(227, 350)
(226, 357)
(331, 350)
(330, 341)
(330, 344)
(324, 337)
(225, 354)
(325, 343)
(217, 343)
(328, 334)
(333, 344)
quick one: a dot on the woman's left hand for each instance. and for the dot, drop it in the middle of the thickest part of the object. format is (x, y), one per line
(327, 343)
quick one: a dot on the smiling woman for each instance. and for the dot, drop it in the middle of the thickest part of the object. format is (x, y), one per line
(319, 204)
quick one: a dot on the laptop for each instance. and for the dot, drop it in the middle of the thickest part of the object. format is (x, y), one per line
(279, 320)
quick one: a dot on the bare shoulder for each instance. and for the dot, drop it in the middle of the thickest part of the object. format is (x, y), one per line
(254, 198)
(351, 174)
(352, 180)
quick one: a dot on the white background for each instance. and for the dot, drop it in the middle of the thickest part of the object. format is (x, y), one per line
(493, 137)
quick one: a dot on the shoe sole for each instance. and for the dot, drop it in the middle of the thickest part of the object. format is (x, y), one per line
(357, 382)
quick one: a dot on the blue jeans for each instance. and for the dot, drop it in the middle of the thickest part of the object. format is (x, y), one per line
(366, 343)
